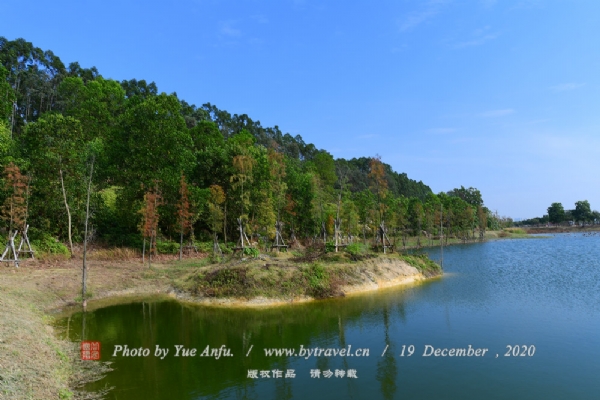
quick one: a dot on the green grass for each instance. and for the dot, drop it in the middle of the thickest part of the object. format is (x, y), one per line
(278, 278)
(423, 263)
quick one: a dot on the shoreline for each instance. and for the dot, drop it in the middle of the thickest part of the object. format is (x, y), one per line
(562, 229)
(41, 291)
(38, 293)
(391, 273)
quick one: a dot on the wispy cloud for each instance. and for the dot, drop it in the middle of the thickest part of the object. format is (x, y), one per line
(400, 48)
(566, 87)
(538, 121)
(414, 19)
(461, 140)
(228, 28)
(527, 4)
(479, 37)
(261, 19)
(488, 3)
(442, 131)
(476, 42)
(497, 113)
(369, 136)
(256, 41)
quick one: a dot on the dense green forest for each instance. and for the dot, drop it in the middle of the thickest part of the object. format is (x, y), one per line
(162, 166)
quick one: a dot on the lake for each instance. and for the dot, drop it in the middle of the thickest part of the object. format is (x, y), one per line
(534, 304)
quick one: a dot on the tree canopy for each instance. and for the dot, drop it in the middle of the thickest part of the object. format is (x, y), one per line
(207, 166)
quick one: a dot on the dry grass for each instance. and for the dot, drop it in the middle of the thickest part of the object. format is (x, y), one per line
(117, 253)
(33, 363)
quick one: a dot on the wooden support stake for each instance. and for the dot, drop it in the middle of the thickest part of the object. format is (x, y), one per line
(25, 240)
(10, 248)
(279, 243)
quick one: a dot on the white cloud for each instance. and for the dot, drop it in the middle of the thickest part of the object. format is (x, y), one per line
(228, 29)
(400, 48)
(414, 19)
(442, 131)
(527, 4)
(476, 42)
(261, 19)
(497, 113)
(461, 140)
(566, 87)
(479, 37)
(488, 3)
(369, 136)
(255, 41)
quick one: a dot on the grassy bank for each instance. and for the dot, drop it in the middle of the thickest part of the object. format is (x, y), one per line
(36, 364)
(33, 363)
(562, 229)
(287, 277)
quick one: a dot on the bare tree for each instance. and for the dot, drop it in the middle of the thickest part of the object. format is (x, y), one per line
(85, 236)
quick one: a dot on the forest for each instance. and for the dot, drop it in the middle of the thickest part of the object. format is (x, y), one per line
(161, 170)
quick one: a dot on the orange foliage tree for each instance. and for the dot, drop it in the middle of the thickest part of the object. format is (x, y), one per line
(14, 210)
(149, 223)
(183, 212)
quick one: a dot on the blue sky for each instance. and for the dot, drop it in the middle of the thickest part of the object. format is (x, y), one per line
(498, 95)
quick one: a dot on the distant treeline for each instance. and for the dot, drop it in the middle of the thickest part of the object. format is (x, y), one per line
(581, 214)
(163, 166)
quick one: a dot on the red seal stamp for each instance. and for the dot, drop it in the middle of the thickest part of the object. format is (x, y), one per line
(90, 350)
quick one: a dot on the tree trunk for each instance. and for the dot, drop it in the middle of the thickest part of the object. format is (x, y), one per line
(364, 236)
(150, 251)
(225, 224)
(27, 200)
(62, 183)
(181, 245)
(85, 238)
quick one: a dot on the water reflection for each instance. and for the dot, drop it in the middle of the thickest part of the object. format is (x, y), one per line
(533, 292)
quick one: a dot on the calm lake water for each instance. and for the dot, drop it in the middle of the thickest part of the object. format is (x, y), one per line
(543, 294)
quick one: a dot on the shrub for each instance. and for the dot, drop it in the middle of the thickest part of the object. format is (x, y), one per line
(225, 249)
(251, 251)
(167, 247)
(49, 245)
(319, 282)
(204, 247)
(356, 249)
(226, 282)
(423, 263)
(329, 247)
